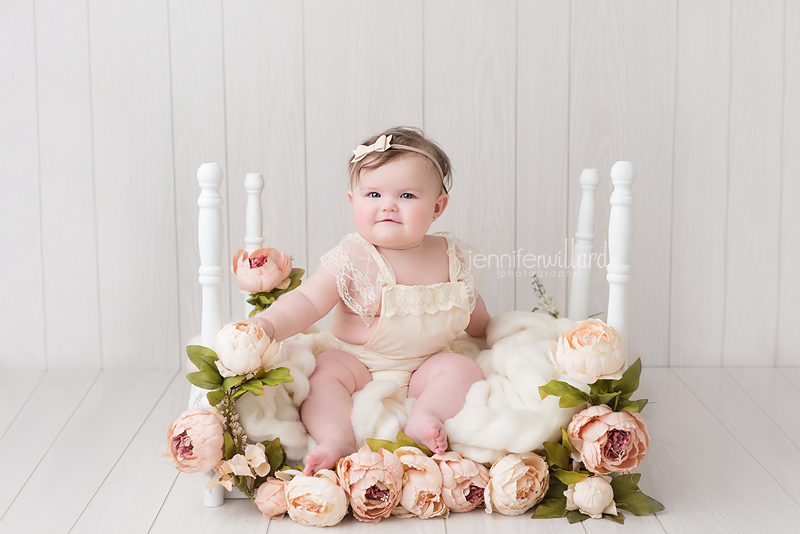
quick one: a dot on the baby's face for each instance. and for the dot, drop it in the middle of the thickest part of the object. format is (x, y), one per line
(394, 205)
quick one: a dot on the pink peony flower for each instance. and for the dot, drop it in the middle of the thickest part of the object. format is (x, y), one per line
(463, 481)
(609, 441)
(271, 498)
(518, 481)
(194, 442)
(422, 485)
(589, 351)
(243, 348)
(592, 496)
(265, 270)
(317, 500)
(373, 480)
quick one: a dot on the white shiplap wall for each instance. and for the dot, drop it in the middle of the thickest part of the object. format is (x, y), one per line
(107, 111)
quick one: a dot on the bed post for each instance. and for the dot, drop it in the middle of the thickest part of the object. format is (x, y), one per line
(209, 175)
(619, 247)
(254, 220)
(580, 282)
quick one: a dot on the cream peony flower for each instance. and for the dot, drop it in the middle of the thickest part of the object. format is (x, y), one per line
(223, 476)
(422, 485)
(609, 441)
(271, 498)
(373, 480)
(517, 482)
(265, 270)
(194, 442)
(592, 496)
(243, 348)
(589, 351)
(257, 459)
(317, 500)
(463, 481)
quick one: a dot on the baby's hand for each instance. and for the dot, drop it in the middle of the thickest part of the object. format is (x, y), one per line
(265, 325)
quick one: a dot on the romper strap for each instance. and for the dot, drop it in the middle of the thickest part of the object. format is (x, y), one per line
(380, 260)
(453, 264)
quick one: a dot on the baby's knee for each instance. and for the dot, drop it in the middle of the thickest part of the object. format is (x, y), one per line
(337, 365)
(451, 362)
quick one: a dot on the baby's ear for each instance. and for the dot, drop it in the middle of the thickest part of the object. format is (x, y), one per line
(350, 195)
(441, 204)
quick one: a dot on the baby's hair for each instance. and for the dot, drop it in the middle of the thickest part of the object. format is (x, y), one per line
(408, 136)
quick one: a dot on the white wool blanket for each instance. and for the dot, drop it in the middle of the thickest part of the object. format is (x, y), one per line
(501, 414)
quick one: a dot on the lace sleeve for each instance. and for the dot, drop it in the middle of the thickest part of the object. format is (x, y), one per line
(358, 277)
(468, 273)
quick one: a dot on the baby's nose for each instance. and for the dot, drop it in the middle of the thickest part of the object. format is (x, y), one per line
(389, 205)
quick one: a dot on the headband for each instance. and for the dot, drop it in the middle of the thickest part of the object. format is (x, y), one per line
(382, 145)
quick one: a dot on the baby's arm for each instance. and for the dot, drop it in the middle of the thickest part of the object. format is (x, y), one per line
(478, 320)
(295, 311)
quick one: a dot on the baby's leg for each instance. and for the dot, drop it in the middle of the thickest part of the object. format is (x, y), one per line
(326, 411)
(440, 386)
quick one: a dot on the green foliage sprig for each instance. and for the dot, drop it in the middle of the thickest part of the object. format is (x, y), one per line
(400, 441)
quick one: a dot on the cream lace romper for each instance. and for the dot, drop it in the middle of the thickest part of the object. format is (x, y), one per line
(415, 322)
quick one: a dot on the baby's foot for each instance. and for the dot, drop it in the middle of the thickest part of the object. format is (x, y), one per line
(326, 455)
(426, 430)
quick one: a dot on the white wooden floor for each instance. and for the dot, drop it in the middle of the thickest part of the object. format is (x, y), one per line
(81, 453)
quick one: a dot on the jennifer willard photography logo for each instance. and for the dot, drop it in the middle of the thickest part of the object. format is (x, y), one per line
(556, 265)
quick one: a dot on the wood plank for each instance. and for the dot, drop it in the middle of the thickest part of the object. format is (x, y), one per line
(198, 117)
(470, 110)
(677, 470)
(16, 389)
(20, 210)
(777, 392)
(355, 88)
(263, 58)
(68, 212)
(479, 522)
(622, 82)
(542, 144)
(31, 436)
(86, 449)
(141, 478)
(789, 283)
(751, 425)
(753, 243)
(183, 512)
(135, 188)
(700, 183)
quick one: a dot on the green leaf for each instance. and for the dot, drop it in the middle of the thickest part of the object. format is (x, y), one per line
(201, 379)
(570, 395)
(262, 299)
(215, 397)
(575, 516)
(565, 441)
(232, 381)
(557, 455)
(375, 445)
(277, 376)
(556, 491)
(550, 508)
(252, 313)
(629, 405)
(275, 455)
(642, 403)
(622, 484)
(404, 441)
(569, 477)
(638, 503)
(260, 373)
(615, 518)
(228, 446)
(252, 300)
(630, 379)
(254, 386)
(604, 398)
(202, 357)
(239, 393)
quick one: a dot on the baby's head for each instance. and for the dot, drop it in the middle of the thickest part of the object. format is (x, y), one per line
(404, 142)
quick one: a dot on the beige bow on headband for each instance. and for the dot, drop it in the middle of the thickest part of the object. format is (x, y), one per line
(381, 145)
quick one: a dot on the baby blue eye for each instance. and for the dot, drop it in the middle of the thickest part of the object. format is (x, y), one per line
(406, 195)
(374, 195)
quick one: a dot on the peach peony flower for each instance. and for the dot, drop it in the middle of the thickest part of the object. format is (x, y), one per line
(609, 441)
(316, 500)
(373, 480)
(517, 482)
(243, 348)
(463, 481)
(589, 351)
(194, 442)
(265, 270)
(271, 498)
(422, 485)
(592, 496)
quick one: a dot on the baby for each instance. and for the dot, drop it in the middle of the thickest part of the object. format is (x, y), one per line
(401, 297)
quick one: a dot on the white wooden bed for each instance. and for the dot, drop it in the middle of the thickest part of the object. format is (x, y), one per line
(212, 263)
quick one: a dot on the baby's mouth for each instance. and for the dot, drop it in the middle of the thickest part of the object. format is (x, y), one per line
(389, 220)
